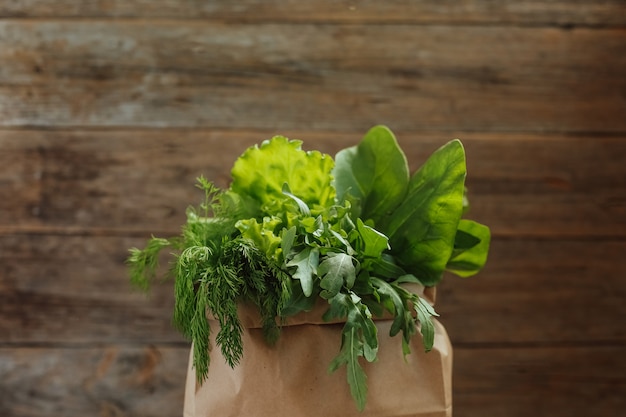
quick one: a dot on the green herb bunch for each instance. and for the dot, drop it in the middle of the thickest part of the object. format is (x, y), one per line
(296, 226)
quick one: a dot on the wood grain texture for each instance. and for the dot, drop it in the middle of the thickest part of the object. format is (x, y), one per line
(348, 77)
(539, 293)
(128, 381)
(74, 289)
(109, 109)
(141, 181)
(114, 380)
(561, 12)
(542, 382)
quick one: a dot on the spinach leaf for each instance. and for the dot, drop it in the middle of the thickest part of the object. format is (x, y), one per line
(471, 246)
(422, 229)
(375, 172)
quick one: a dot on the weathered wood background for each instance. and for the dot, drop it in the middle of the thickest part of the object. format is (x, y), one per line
(110, 109)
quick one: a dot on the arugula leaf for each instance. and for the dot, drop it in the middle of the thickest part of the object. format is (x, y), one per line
(306, 263)
(424, 314)
(297, 302)
(351, 349)
(342, 240)
(393, 303)
(471, 246)
(422, 229)
(375, 172)
(336, 270)
(287, 240)
(359, 338)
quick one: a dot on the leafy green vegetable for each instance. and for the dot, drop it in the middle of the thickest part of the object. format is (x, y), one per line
(336, 271)
(294, 227)
(375, 172)
(471, 246)
(262, 171)
(374, 242)
(359, 338)
(306, 263)
(422, 229)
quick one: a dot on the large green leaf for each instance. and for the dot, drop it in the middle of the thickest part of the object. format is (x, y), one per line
(262, 171)
(375, 172)
(467, 259)
(422, 229)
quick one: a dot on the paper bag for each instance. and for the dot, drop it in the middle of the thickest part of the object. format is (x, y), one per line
(291, 379)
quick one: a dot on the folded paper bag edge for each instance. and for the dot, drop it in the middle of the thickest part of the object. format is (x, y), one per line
(250, 319)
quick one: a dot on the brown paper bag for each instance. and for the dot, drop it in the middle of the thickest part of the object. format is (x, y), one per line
(290, 379)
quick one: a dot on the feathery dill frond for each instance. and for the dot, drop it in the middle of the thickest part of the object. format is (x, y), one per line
(143, 263)
(214, 271)
(263, 286)
(190, 265)
(199, 334)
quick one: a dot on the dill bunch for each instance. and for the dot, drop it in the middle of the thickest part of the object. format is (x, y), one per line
(214, 269)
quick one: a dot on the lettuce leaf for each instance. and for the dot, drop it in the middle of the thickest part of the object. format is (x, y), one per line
(261, 172)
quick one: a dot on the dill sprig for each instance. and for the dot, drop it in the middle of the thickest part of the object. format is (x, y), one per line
(143, 263)
(213, 272)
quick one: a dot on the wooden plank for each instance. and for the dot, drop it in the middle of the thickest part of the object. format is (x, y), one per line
(539, 292)
(107, 381)
(20, 180)
(562, 12)
(559, 381)
(149, 381)
(141, 181)
(162, 73)
(58, 289)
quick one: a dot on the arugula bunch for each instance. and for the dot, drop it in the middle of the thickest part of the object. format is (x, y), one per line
(296, 226)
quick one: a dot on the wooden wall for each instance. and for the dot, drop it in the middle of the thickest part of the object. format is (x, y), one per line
(110, 109)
